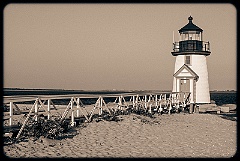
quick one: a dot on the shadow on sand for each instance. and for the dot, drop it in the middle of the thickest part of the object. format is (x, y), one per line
(229, 116)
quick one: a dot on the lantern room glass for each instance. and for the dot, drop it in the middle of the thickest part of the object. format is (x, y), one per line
(191, 35)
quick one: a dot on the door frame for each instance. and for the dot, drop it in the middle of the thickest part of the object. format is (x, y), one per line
(188, 84)
(192, 86)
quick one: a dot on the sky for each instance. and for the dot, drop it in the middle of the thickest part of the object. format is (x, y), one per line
(112, 46)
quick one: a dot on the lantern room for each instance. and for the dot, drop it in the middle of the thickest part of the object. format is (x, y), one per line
(190, 40)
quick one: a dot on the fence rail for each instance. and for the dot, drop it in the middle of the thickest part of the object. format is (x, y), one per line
(148, 102)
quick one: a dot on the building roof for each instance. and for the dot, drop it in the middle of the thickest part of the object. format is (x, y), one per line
(188, 69)
(190, 26)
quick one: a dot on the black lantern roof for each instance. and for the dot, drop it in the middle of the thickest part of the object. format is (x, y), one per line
(190, 26)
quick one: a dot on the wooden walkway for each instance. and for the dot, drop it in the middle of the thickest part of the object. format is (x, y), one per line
(148, 102)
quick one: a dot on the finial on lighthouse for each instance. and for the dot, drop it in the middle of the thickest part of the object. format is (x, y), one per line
(190, 18)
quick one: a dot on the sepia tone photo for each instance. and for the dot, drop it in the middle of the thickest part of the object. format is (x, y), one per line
(119, 80)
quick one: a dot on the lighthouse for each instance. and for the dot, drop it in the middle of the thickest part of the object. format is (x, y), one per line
(190, 72)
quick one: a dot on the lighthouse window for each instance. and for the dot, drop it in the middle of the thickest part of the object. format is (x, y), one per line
(198, 38)
(188, 60)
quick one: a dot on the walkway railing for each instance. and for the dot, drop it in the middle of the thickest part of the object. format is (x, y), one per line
(191, 45)
(147, 102)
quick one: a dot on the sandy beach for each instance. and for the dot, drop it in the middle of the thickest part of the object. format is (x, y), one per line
(165, 136)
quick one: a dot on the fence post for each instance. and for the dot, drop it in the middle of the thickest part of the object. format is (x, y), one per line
(150, 108)
(10, 113)
(120, 102)
(133, 101)
(160, 103)
(145, 100)
(156, 103)
(170, 107)
(72, 113)
(136, 102)
(101, 103)
(149, 98)
(48, 109)
(78, 101)
(36, 110)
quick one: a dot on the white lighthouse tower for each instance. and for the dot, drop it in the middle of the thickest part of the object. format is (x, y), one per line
(190, 73)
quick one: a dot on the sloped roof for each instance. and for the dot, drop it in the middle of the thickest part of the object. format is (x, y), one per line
(186, 67)
(190, 26)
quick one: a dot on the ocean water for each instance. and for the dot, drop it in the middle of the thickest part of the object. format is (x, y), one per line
(221, 98)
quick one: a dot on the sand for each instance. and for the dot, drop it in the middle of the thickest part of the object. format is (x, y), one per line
(177, 135)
